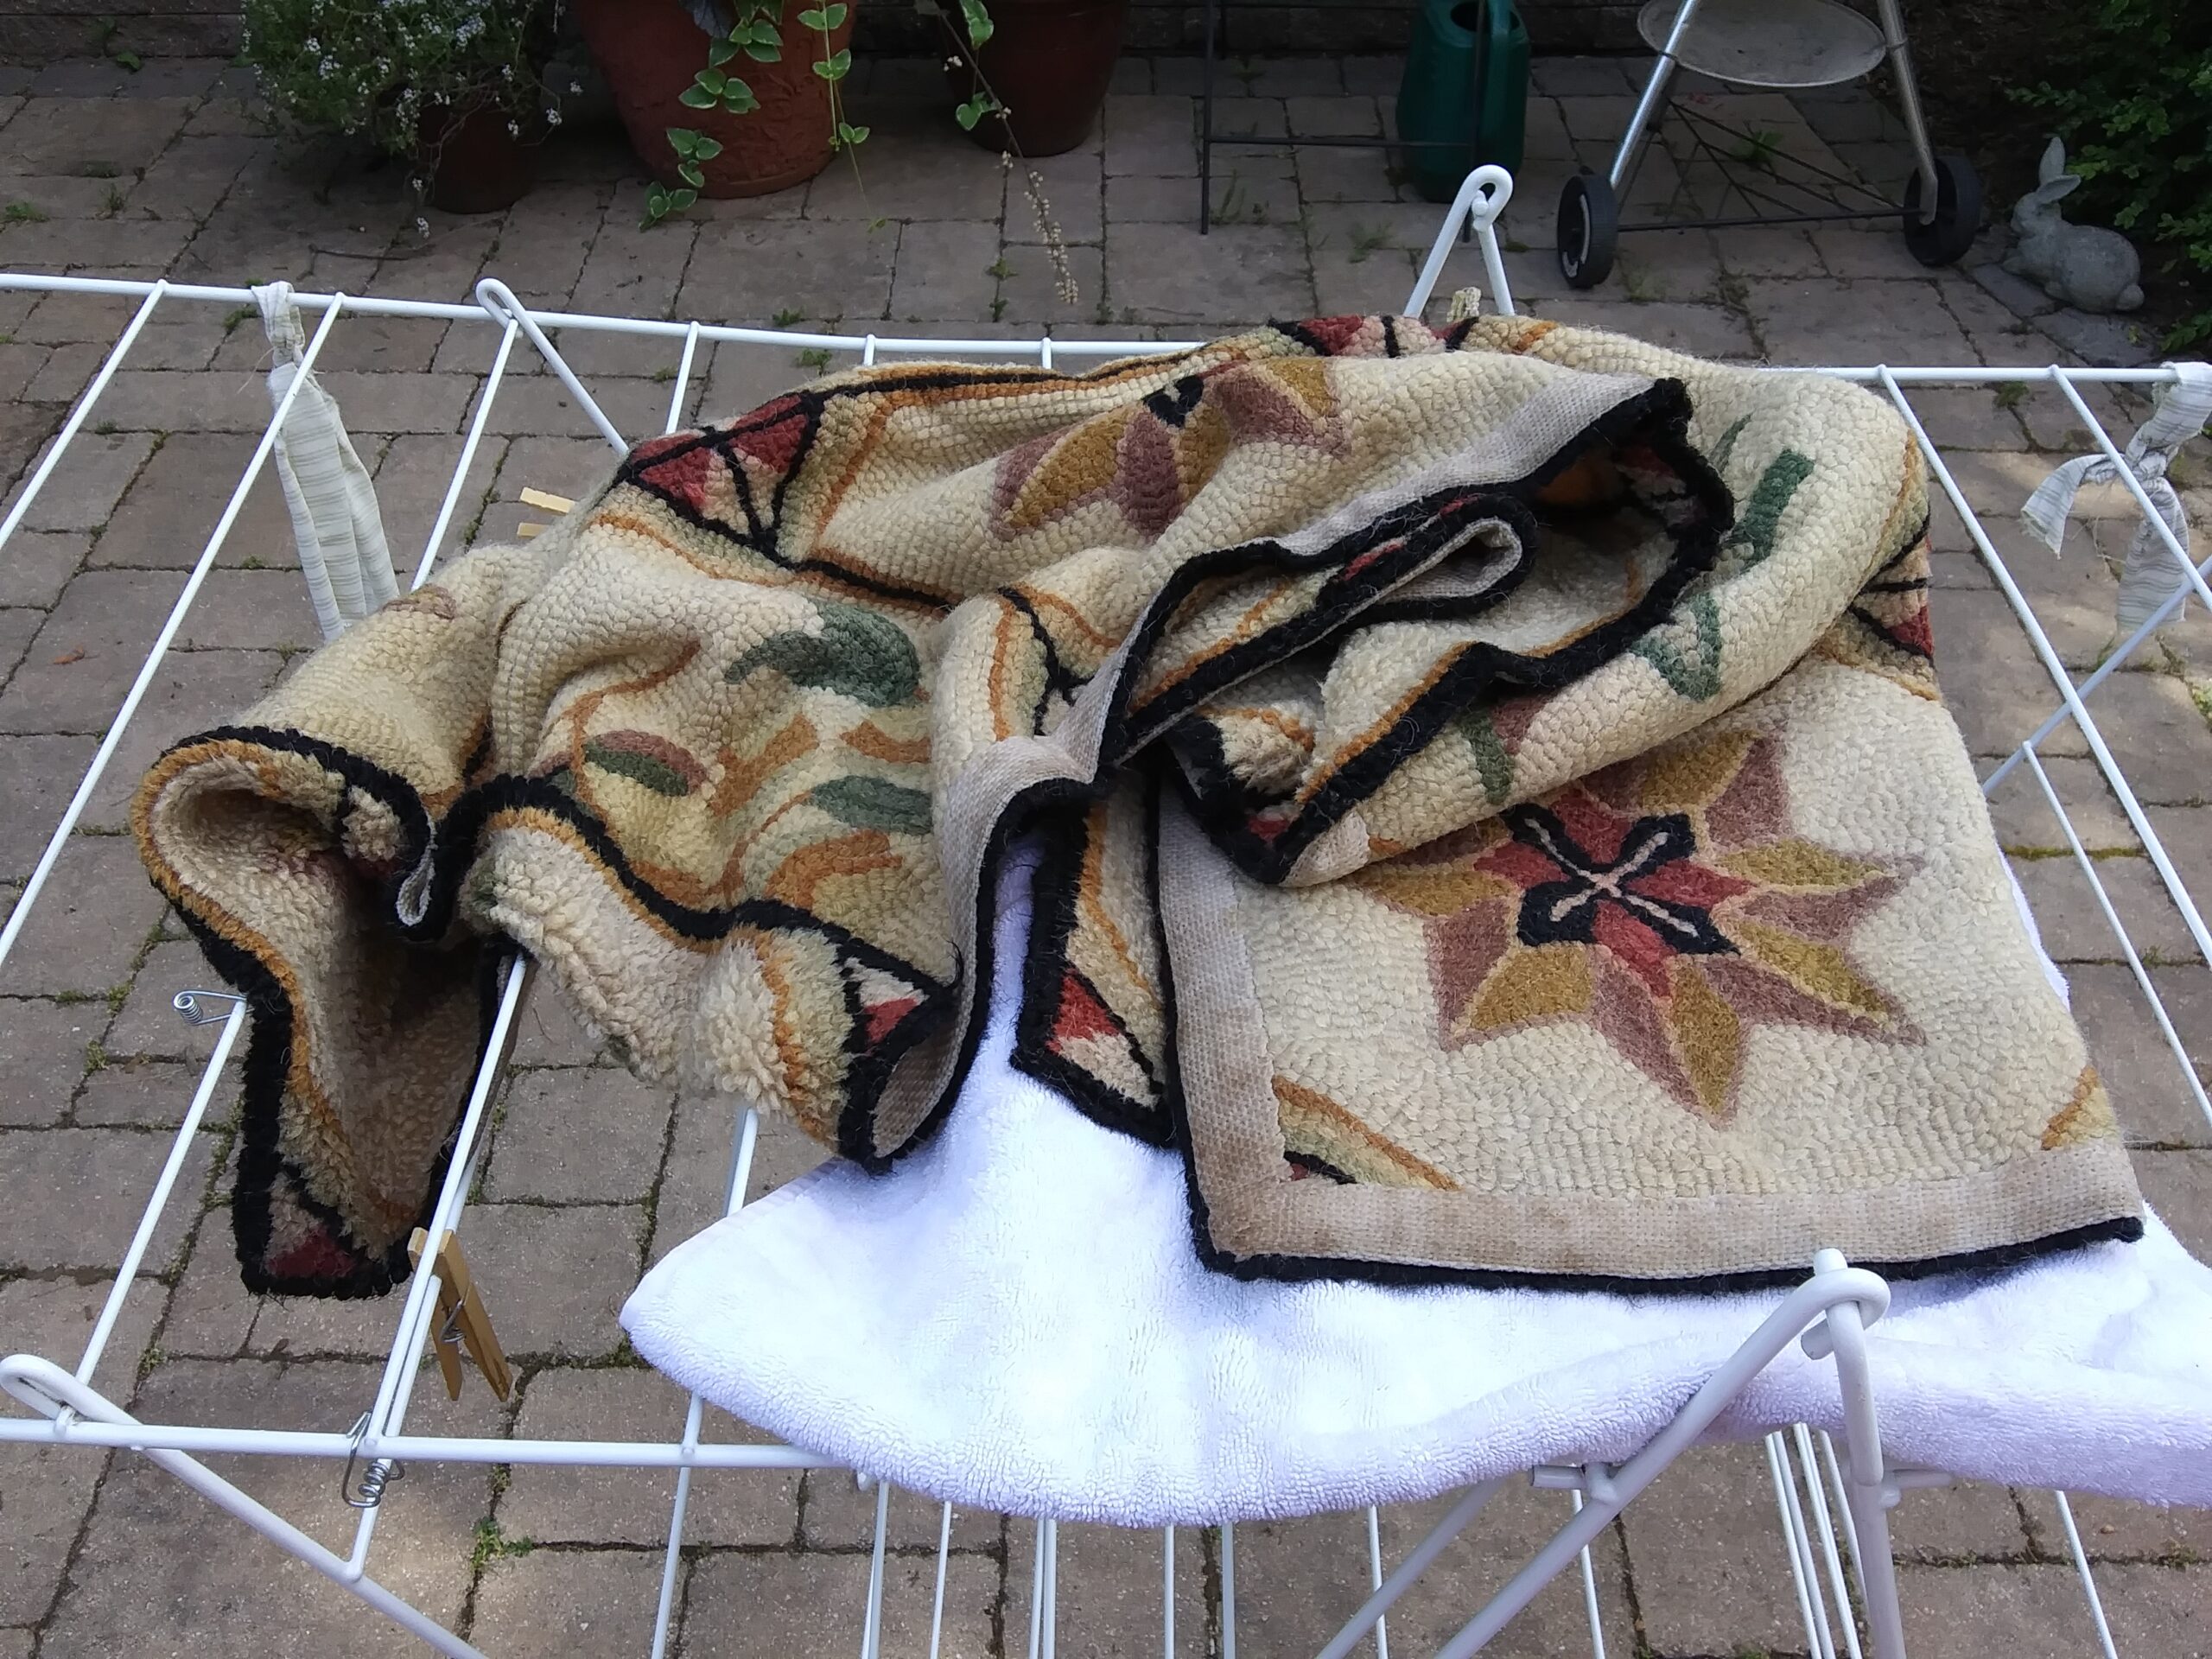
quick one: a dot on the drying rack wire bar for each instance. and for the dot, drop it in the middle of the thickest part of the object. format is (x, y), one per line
(1830, 1502)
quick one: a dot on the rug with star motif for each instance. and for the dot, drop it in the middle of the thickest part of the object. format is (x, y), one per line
(1500, 820)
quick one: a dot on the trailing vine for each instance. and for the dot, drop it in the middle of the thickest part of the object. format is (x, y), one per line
(756, 32)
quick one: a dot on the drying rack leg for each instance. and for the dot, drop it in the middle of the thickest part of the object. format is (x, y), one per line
(743, 1141)
(1828, 1314)
(1044, 1592)
(1228, 1590)
(45, 1388)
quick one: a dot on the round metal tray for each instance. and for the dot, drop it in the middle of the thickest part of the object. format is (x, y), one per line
(1782, 43)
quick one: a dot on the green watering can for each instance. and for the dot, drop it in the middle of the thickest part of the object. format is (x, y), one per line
(1463, 101)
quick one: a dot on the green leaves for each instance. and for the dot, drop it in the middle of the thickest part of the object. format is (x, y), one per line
(2134, 105)
(376, 71)
(758, 31)
(866, 802)
(860, 652)
(1762, 514)
(646, 759)
(980, 27)
(975, 110)
(1694, 673)
(691, 148)
(661, 201)
(1494, 762)
(711, 89)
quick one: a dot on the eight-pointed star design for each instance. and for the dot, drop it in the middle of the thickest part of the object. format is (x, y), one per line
(1668, 902)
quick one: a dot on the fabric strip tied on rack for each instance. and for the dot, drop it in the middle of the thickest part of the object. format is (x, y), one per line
(327, 489)
(2149, 578)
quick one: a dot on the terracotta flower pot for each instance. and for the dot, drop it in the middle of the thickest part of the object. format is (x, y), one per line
(1050, 61)
(650, 49)
(476, 164)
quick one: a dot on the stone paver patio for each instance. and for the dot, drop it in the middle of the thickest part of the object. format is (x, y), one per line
(591, 1175)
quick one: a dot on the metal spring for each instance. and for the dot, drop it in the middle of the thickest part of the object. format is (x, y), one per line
(199, 1007)
(367, 1492)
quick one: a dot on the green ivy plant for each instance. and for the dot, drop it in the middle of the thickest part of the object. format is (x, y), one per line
(979, 27)
(756, 32)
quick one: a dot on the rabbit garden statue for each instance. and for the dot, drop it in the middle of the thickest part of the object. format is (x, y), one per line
(2081, 265)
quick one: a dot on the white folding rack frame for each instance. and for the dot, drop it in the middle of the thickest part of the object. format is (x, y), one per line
(1831, 1501)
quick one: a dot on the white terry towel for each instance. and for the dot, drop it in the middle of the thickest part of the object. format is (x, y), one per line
(1014, 1318)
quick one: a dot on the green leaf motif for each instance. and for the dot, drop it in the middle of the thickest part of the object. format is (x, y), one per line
(1725, 446)
(695, 97)
(1777, 485)
(1493, 761)
(866, 802)
(864, 655)
(721, 53)
(652, 762)
(978, 19)
(1697, 676)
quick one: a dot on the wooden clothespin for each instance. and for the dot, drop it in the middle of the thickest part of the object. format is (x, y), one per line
(549, 502)
(462, 1321)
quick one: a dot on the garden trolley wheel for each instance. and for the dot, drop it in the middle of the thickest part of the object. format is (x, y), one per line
(1944, 238)
(1589, 228)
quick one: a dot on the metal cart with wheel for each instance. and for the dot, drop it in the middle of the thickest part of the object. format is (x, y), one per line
(1776, 46)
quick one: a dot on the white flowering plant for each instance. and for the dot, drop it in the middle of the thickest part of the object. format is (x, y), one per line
(396, 72)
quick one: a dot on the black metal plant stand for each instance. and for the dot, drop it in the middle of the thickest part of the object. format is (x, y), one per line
(1208, 139)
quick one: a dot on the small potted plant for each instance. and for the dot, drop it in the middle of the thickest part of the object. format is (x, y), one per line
(1051, 61)
(447, 85)
(724, 111)
(756, 118)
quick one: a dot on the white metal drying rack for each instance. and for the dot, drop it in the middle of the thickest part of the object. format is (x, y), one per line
(1831, 1502)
